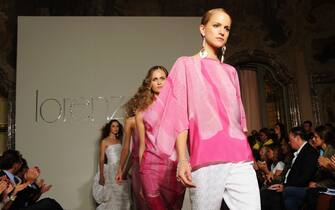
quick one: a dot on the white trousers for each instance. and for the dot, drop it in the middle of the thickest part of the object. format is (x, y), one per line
(236, 183)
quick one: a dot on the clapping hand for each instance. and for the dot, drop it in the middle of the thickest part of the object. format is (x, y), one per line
(332, 162)
(277, 187)
(3, 186)
(324, 162)
(43, 187)
(20, 187)
(312, 185)
(32, 174)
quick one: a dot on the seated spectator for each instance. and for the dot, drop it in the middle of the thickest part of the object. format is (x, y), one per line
(28, 198)
(297, 176)
(308, 128)
(312, 142)
(274, 175)
(280, 133)
(264, 139)
(286, 151)
(325, 176)
(10, 164)
(23, 187)
(261, 162)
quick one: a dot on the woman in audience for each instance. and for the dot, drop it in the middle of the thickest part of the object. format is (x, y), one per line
(325, 176)
(264, 139)
(261, 162)
(274, 155)
(106, 191)
(280, 132)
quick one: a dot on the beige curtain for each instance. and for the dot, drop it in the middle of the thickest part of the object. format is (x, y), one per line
(250, 98)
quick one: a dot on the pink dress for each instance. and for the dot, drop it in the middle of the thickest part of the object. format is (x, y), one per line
(140, 203)
(158, 175)
(203, 96)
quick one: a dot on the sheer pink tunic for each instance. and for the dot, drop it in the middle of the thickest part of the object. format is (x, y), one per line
(202, 96)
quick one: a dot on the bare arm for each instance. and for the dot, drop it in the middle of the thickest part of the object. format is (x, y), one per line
(183, 168)
(141, 133)
(101, 162)
(129, 128)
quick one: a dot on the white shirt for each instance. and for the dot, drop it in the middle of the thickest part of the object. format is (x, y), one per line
(278, 166)
(10, 176)
(295, 157)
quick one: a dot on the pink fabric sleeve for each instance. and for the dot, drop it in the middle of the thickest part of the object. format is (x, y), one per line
(168, 115)
(239, 99)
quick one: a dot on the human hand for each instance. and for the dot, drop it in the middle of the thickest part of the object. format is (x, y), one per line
(324, 162)
(262, 166)
(183, 174)
(332, 158)
(32, 174)
(269, 177)
(20, 187)
(102, 180)
(3, 185)
(39, 182)
(9, 189)
(332, 162)
(277, 187)
(255, 165)
(45, 188)
(312, 185)
(118, 177)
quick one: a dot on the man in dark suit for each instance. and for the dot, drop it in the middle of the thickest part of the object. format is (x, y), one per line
(26, 192)
(10, 164)
(303, 168)
(297, 175)
(28, 198)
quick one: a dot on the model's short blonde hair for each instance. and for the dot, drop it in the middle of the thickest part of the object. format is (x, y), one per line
(207, 16)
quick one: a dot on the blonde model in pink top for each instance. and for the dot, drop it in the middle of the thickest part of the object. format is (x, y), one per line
(200, 109)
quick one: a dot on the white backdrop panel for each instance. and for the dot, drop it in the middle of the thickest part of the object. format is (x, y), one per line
(72, 73)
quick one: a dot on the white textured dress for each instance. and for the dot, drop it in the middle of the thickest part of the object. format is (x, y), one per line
(111, 196)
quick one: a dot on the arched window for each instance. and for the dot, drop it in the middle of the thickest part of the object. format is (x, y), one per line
(268, 90)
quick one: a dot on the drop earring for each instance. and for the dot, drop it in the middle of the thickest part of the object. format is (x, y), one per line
(223, 52)
(203, 53)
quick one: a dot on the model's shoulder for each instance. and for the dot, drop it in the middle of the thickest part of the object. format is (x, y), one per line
(130, 121)
(184, 59)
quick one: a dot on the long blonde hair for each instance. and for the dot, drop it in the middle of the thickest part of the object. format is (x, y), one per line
(144, 95)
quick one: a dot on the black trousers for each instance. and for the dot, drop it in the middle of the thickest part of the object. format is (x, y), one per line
(271, 200)
(44, 204)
